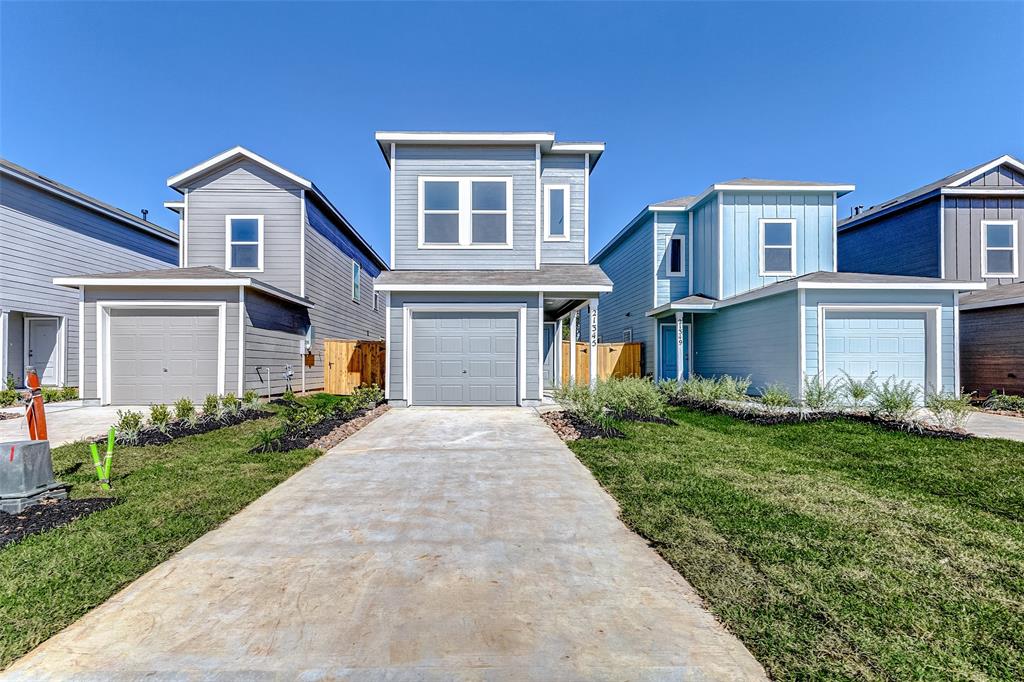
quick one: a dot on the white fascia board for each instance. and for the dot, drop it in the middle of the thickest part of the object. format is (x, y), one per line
(176, 206)
(667, 209)
(984, 191)
(583, 289)
(785, 188)
(941, 285)
(981, 170)
(203, 167)
(684, 307)
(577, 147)
(193, 283)
(384, 136)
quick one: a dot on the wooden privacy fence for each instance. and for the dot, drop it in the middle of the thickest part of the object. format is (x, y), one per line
(350, 364)
(613, 360)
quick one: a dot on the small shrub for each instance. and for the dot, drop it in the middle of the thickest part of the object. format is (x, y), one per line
(733, 388)
(251, 401)
(8, 397)
(1004, 403)
(211, 407)
(631, 398)
(51, 394)
(367, 396)
(230, 404)
(266, 439)
(185, 411)
(128, 427)
(669, 388)
(822, 395)
(775, 398)
(858, 391)
(160, 417)
(710, 389)
(950, 411)
(896, 400)
(581, 403)
(288, 395)
(69, 393)
(9, 382)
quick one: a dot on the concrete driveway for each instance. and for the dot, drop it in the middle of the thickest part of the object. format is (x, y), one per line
(434, 544)
(67, 422)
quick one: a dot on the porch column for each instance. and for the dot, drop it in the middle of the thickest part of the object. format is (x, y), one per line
(680, 348)
(572, 346)
(593, 343)
(558, 353)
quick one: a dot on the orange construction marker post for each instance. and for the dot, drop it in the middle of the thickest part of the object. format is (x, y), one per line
(34, 413)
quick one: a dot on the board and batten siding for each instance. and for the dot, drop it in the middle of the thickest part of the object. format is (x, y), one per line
(275, 334)
(398, 344)
(962, 217)
(670, 224)
(43, 236)
(558, 169)
(414, 161)
(741, 213)
(246, 188)
(705, 248)
(630, 266)
(905, 242)
(1000, 176)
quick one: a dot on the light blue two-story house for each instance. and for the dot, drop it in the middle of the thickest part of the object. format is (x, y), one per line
(741, 279)
(489, 240)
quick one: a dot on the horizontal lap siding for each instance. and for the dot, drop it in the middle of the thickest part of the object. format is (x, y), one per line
(246, 188)
(670, 225)
(630, 266)
(963, 216)
(43, 236)
(901, 243)
(564, 170)
(759, 338)
(517, 162)
(992, 350)
(274, 341)
(705, 249)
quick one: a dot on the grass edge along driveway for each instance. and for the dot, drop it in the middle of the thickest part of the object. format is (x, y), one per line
(169, 496)
(835, 550)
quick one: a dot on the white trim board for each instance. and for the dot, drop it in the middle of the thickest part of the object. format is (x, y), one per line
(230, 154)
(171, 282)
(516, 288)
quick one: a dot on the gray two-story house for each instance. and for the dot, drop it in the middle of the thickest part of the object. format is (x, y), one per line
(269, 268)
(48, 230)
(489, 243)
(966, 226)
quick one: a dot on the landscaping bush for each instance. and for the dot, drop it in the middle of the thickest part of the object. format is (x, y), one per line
(160, 417)
(775, 398)
(896, 400)
(734, 388)
(185, 411)
(211, 407)
(230, 405)
(710, 389)
(858, 391)
(1004, 403)
(128, 427)
(69, 393)
(367, 397)
(8, 397)
(251, 401)
(950, 411)
(632, 398)
(822, 395)
(581, 403)
(9, 382)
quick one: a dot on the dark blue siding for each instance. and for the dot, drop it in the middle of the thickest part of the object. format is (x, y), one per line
(328, 229)
(900, 243)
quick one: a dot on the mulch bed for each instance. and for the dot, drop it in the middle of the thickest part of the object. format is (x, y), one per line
(153, 436)
(324, 434)
(47, 515)
(569, 428)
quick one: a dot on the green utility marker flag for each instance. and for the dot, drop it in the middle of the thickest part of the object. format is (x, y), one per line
(99, 467)
(110, 456)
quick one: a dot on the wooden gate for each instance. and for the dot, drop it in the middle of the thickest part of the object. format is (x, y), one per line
(613, 360)
(350, 364)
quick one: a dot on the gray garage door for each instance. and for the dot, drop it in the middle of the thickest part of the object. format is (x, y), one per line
(464, 359)
(158, 356)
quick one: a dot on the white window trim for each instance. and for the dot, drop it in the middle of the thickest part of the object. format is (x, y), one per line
(682, 255)
(1012, 248)
(761, 247)
(548, 237)
(228, 243)
(627, 335)
(357, 289)
(465, 212)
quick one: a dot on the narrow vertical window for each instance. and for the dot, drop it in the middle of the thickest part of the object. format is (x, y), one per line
(244, 242)
(355, 281)
(676, 255)
(778, 247)
(999, 248)
(376, 301)
(556, 213)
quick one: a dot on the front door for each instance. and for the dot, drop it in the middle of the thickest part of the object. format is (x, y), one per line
(669, 369)
(549, 355)
(41, 348)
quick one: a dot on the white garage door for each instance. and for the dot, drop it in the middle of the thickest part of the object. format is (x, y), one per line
(158, 356)
(464, 358)
(891, 344)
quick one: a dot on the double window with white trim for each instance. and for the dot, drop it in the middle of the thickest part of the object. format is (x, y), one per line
(777, 247)
(244, 243)
(556, 213)
(469, 213)
(999, 248)
(675, 256)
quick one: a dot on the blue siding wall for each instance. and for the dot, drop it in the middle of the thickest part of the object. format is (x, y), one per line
(741, 214)
(668, 225)
(341, 241)
(900, 243)
(758, 338)
(559, 169)
(705, 248)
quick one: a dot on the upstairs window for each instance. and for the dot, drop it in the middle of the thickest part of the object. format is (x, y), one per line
(627, 335)
(356, 271)
(778, 247)
(556, 214)
(465, 213)
(999, 248)
(675, 256)
(244, 242)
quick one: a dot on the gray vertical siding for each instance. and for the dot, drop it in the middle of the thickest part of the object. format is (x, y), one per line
(43, 236)
(558, 169)
(517, 162)
(1000, 176)
(670, 224)
(274, 340)
(904, 242)
(962, 218)
(705, 248)
(397, 345)
(246, 188)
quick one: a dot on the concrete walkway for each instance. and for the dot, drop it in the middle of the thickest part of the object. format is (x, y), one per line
(67, 422)
(434, 544)
(987, 425)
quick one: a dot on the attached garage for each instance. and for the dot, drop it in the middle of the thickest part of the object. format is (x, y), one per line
(465, 358)
(160, 355)
(891, 344)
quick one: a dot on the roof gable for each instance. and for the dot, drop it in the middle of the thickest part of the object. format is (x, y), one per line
(183, 179)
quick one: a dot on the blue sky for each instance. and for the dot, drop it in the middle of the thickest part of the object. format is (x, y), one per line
(115, 98)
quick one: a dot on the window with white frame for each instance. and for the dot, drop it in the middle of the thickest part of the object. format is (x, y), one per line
(675, 256)
(627, 335)
(465, 213)
(999, 248)
(777, 238)
(244, 239)
(376, 301)
(556, 212)
(356, 271)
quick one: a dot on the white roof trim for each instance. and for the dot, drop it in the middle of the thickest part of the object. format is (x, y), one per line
(681, 209)
(981, 170)
(171, 282)
(577, 147)
(1004, 191)
(581, 288)
(176, 206)
(958, 286)
(397, 136)
(223, 157)
(967, 305)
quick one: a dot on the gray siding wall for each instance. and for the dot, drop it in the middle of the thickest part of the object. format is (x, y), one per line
(275, 334)
(900, 243)
(705, 248)
(962, 218)
(88, 386)
(667, 225)
(43, 236)
(630, 266)
(246, 188)
(758, 338)
(517, 162)
(1000, 176)
(397, 343)
(557, 169)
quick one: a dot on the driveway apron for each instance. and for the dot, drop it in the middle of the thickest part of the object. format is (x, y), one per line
(436, 543)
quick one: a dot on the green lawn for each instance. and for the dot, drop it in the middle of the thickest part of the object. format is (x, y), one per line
(169, 496)
(835, 550)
